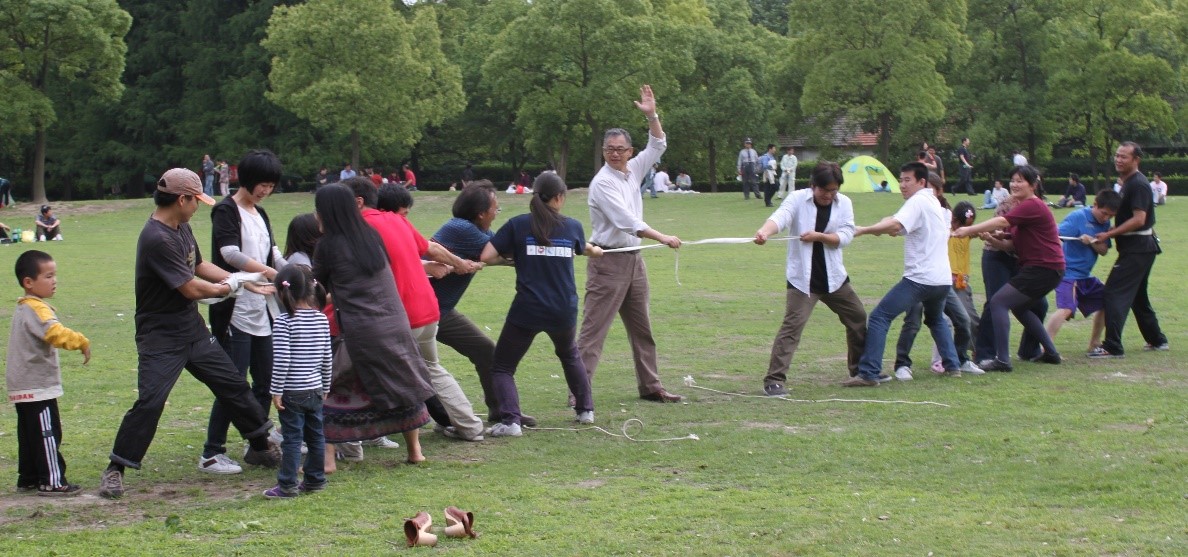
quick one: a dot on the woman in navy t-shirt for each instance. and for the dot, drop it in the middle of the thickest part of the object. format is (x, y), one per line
(543, 244)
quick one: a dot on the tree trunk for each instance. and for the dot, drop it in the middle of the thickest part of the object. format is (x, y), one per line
(597, 143)
(884, 137)
(355, 149)
(712, 150)
(1092, 151)
(562, 161)
(39, 167)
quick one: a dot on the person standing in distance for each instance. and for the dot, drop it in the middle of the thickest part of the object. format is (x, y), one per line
(618, 283)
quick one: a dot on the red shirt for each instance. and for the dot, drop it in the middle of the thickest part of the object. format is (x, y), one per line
(405, 246)
(377, 179)
(1037, 241)
(410, 179)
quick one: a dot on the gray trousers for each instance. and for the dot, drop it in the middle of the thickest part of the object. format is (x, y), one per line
(618, 283)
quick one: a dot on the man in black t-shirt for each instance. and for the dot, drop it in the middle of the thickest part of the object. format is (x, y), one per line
(965, 173)
(171, 335)
(1134, 237)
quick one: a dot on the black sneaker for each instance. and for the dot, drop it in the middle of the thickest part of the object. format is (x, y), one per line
(1048, 358)
(310, 488)
(775, 389)
(995, 365)
(66, 490)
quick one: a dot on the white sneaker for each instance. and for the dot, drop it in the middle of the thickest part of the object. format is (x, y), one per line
(58, 238)
(350, 452)
(382, 442)
(41, 238)
(219, 464)
(903, 373)
(586, 417)
(504, 430)
(971, 368)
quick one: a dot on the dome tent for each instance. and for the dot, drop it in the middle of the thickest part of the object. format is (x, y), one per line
(863, 174)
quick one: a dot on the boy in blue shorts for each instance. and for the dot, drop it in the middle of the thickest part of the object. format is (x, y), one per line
(1080, 290)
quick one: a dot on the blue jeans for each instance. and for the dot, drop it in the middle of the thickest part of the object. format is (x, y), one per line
(247, 352)
(302, 419)
(899, 300)
(208, 184)
(955, 316)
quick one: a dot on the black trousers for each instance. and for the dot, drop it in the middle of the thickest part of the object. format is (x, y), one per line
(157, 373)
(1125, 291)
(39, 434)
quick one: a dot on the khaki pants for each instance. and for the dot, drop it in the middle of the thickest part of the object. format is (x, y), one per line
(618, 283)
(448, 391)
(844, 302)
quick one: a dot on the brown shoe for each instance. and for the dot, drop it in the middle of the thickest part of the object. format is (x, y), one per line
(858, 381)
(459, 523)
(416, 529)
(662, 396)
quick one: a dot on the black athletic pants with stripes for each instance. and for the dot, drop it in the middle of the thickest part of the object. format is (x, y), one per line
(39, 433)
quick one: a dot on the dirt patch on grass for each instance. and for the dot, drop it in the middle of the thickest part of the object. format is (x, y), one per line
(591, 484)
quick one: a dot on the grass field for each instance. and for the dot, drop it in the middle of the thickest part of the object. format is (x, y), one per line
(1086, 458)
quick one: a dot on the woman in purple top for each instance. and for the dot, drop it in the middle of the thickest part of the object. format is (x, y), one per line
(1036, 242)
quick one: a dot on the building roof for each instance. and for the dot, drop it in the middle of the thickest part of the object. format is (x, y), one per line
(843, 133)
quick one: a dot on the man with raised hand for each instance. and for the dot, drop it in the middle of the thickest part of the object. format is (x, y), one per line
(926, 275)
(618, 282)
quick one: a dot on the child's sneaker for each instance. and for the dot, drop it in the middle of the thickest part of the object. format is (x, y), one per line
(277, 493)
(66, 490)
(310, 488)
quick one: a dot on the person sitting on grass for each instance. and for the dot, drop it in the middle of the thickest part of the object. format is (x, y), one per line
(995, 196)
(49, 227)
(543, 244)
(1080, 289)
(1074, 196)
(34, 377)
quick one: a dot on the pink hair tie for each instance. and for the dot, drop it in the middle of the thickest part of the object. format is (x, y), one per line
(285, 283)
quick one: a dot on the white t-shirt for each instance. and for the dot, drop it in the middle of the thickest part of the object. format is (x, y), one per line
(251, 309)
(1159, 189)
(661, 182)
(926, 244)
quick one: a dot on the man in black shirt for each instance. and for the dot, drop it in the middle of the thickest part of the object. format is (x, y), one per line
(171, 335)
(965, 173)
(1134, 237)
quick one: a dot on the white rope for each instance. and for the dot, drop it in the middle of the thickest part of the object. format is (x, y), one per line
(1075, 238)
(625, 434)
(677, 256)
(690, 383)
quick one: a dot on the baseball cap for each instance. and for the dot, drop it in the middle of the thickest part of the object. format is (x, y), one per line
(183, 181)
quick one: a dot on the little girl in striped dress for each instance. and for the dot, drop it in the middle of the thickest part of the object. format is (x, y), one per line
(300, 379)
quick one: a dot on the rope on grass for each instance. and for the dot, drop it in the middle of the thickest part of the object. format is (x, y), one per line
(626, 425)
(690, 383)
(677, 256)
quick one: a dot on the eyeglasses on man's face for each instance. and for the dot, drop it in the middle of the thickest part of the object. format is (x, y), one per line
(616, 150)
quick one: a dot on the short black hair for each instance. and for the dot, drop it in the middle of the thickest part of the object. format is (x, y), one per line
(1135, 149)
(1073, 176)
(363, 187)
(393, 197)
(474, 200)
(918, 170)
(28, 265)
(257, 167)
(825, 173)
(1108, 199)
(163, 199)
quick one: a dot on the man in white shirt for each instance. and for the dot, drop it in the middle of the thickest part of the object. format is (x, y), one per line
(788, 164)
(617, 283)
(926, 278)
(660, 181)
(824, 220)
(1159, 189)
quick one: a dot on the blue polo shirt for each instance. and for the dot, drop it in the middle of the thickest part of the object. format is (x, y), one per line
(1079, 258)
(546, 296)
(467, 241)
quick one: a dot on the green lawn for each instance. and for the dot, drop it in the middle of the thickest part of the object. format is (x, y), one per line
(1086, 458)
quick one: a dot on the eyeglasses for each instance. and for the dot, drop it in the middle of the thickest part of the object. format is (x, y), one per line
(617, 150)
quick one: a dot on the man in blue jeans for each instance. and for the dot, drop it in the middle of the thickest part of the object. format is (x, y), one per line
(926, 278)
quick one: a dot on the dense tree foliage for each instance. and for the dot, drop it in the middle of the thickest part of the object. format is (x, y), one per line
(100, 96)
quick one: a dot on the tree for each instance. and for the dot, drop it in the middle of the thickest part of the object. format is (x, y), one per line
(879, 67)
(359, 68)
(51, 41)
(573, 67)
